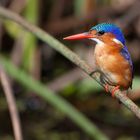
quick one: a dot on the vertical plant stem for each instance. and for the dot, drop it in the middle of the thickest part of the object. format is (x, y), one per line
(11, 105)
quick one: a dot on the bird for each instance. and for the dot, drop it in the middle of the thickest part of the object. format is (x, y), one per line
(112, 58)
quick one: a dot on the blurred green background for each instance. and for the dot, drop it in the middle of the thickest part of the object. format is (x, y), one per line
(60, 18)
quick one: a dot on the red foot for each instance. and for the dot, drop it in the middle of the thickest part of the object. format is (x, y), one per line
(106, 88)
(114, 90)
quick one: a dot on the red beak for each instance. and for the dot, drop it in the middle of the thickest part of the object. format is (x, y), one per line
(85, 35)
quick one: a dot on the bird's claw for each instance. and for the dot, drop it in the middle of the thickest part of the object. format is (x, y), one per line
(113, 90)
(106, 88)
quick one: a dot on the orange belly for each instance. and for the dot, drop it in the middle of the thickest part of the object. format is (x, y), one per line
(114, 66)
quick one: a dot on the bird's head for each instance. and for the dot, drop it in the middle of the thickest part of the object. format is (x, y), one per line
(101, 33)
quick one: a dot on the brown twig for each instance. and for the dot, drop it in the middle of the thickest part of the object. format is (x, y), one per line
(130, 16)
(11, 105)
(66, 79)
(68, 54)
(1, 32)
(17, 49)
(72, 22)
(57, 10)
(17, 5)
(135, 95)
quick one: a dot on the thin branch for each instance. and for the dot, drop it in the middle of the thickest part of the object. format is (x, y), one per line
(71, 22)
(67, 53)
(130, 16)
(70, 77)
(11, 105)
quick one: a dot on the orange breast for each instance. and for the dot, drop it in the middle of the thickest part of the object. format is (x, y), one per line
(109, 60)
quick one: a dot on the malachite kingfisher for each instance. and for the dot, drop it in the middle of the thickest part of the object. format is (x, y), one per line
(112, 58)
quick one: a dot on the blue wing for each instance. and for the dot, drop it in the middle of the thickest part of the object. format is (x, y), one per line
(125, 53)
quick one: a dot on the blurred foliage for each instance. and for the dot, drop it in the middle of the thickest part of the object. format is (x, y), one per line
(29, 41)
(53, 99)
(31, 14)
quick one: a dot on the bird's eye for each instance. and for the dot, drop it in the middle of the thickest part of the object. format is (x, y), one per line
(100, 33)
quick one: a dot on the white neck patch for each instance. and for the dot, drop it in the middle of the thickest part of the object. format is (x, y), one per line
(97, 41)
(117, 41)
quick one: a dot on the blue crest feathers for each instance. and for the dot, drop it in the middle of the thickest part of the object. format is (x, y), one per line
(112, 28)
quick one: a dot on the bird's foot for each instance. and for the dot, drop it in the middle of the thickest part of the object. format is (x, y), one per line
(113, 90)
(106, 88)
(94, 71)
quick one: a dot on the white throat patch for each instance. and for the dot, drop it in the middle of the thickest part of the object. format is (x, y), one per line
(97, 41)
